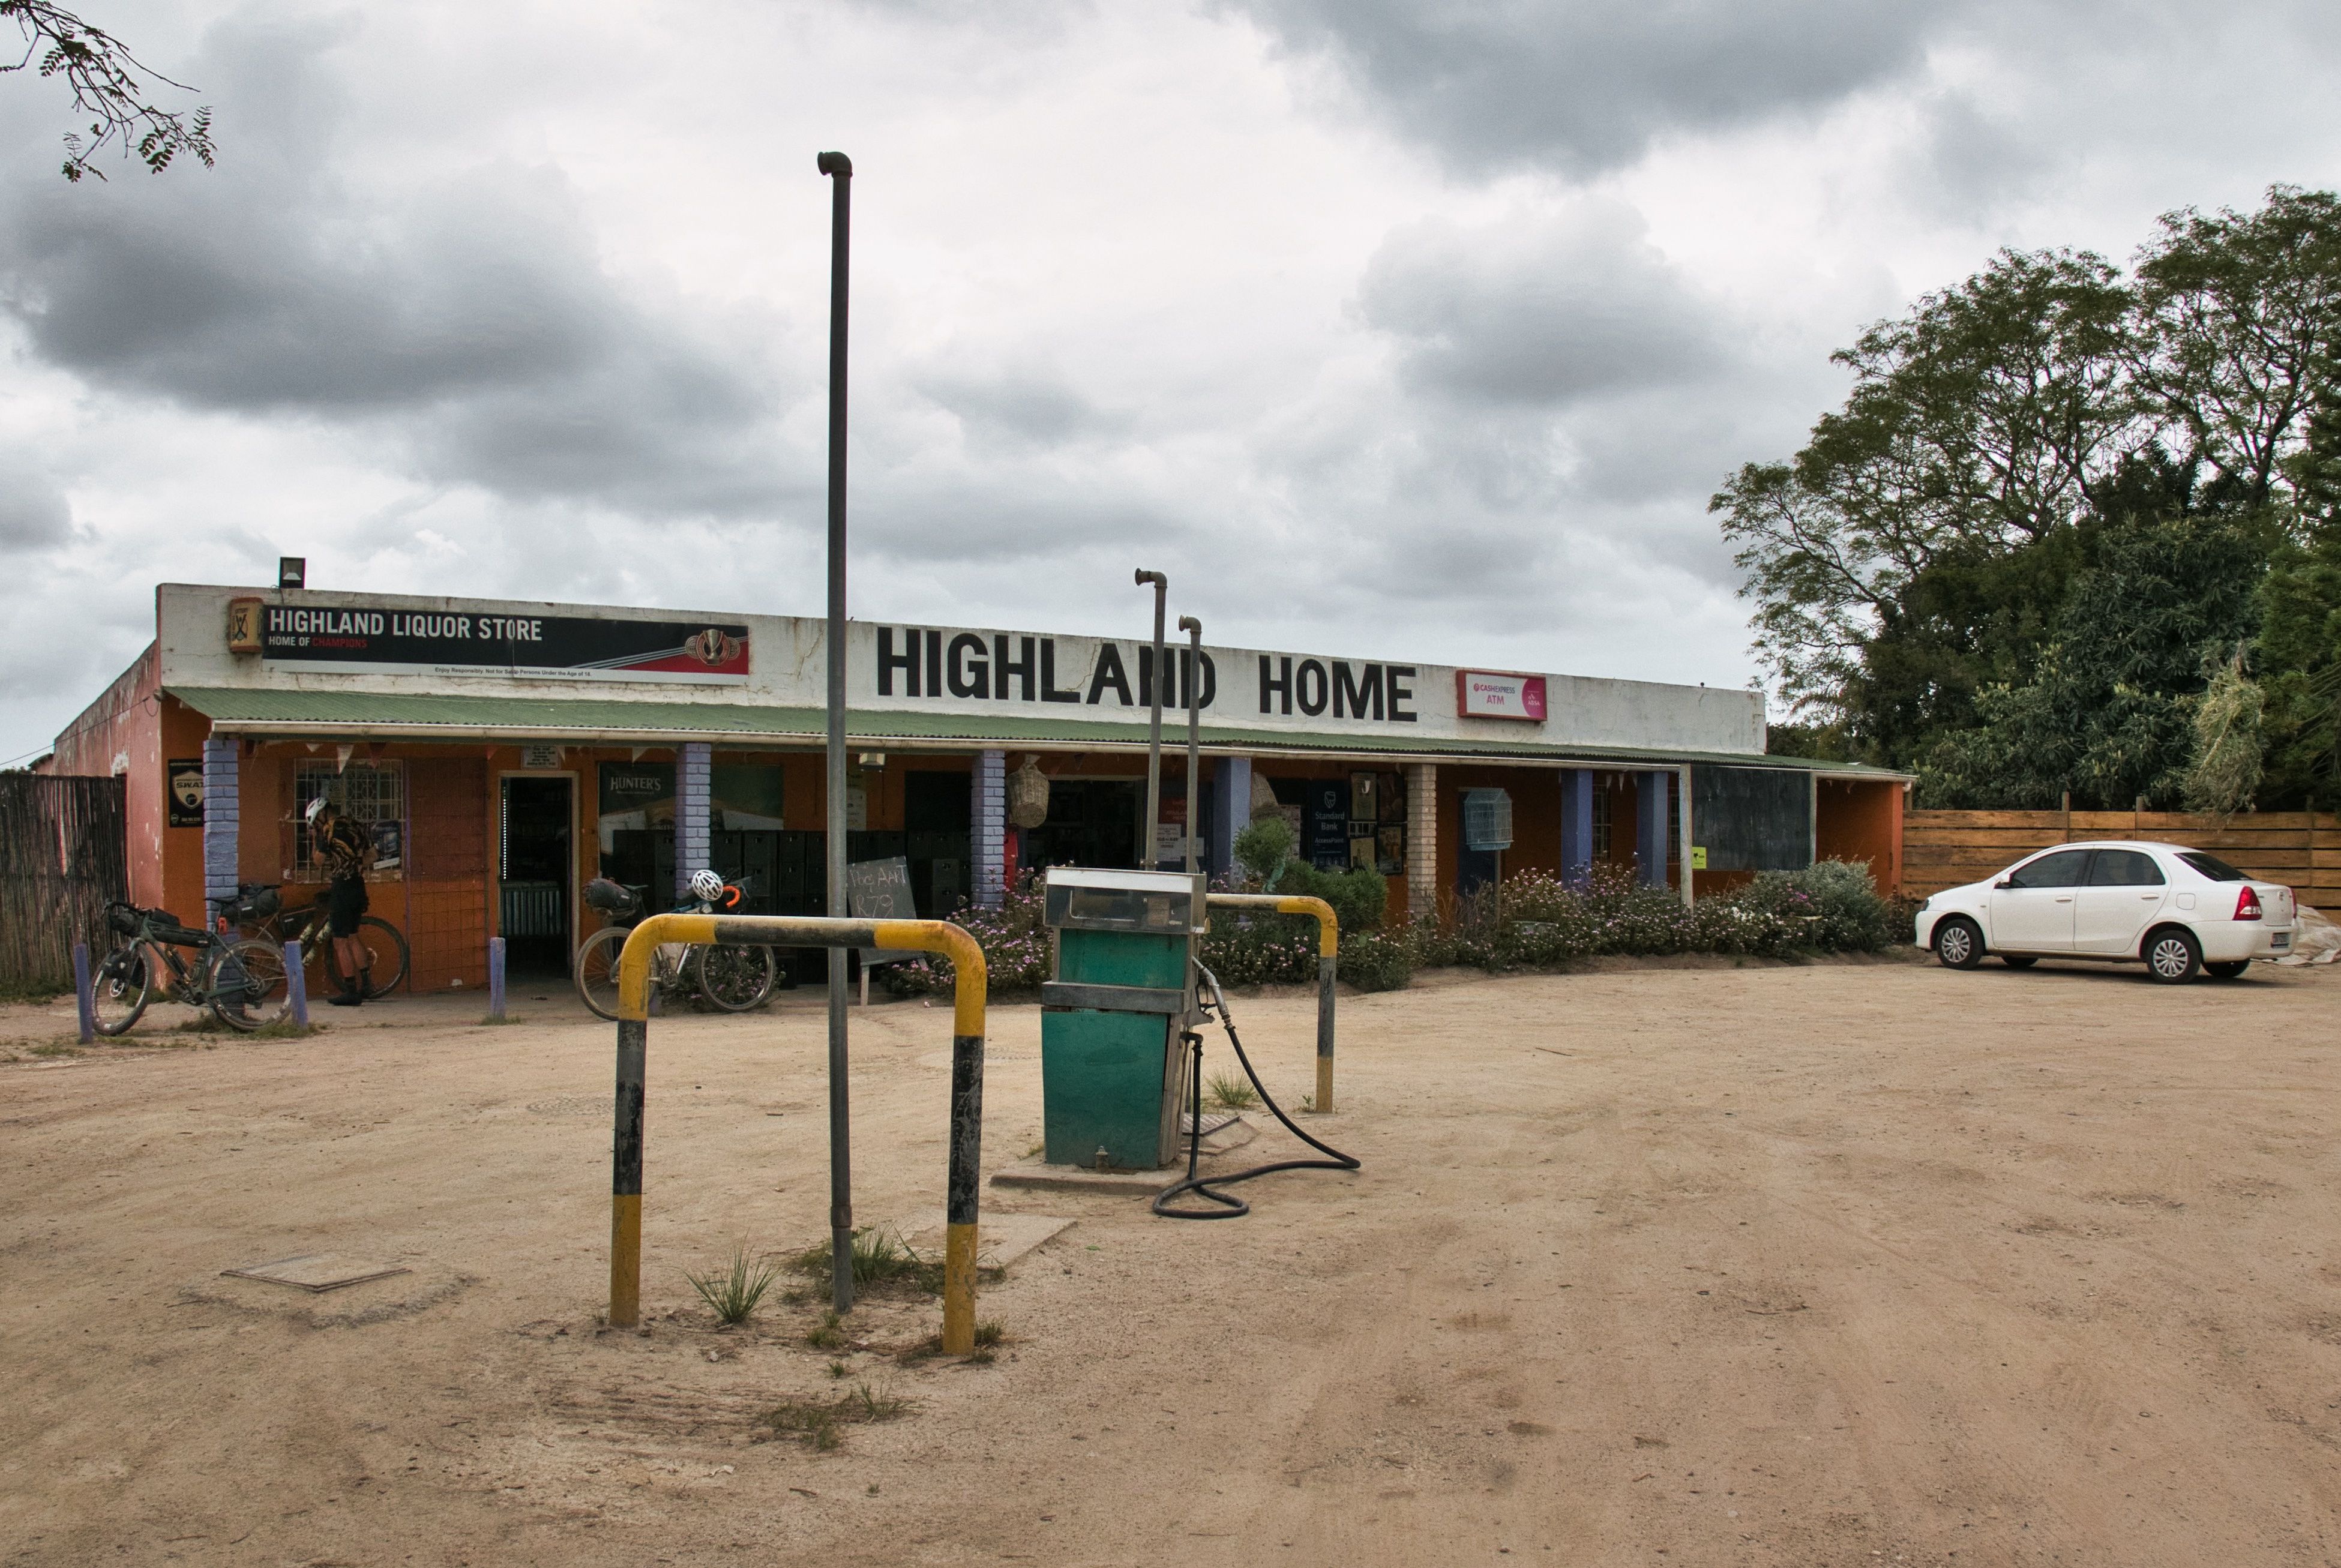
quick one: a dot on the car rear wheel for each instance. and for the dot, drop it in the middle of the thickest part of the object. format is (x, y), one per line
(1958, 943)
(2233, 970)
(2018, 960)
(2173, 956)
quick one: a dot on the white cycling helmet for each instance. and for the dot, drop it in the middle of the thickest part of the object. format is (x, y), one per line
(706, 886)
(317, 808)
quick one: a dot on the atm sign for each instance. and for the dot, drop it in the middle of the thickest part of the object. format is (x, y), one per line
(1491, 695)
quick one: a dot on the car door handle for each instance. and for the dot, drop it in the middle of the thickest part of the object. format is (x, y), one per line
(2064, 898)
(2151, 897)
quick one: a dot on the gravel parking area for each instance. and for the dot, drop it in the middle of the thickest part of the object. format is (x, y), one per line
(1850, 1263)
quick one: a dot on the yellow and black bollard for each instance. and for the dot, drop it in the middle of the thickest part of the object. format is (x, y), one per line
(786, 930)
(1328, 951)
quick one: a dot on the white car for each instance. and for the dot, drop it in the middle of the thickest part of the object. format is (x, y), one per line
(2179, 911)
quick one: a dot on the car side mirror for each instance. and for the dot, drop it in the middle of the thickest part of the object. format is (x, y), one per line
(2004, 884)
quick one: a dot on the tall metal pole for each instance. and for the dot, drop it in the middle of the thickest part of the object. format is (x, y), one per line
(840, 170)
(1192, 677)
(1147, 857)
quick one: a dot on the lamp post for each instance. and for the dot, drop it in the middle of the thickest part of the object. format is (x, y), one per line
(839, 168)
(1192, 677)
(1146, 858)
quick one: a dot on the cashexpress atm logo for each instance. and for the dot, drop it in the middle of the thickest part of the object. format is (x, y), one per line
(919, 662)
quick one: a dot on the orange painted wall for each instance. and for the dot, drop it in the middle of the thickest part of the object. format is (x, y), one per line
(1858, 820)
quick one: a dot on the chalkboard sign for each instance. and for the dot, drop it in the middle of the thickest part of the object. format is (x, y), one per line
(880, 890)
(1752, 819)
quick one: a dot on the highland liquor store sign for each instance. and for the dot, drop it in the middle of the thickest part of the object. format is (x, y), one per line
(929, 668)
(368, 640)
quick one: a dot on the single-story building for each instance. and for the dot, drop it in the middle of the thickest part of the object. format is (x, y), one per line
(503, 754)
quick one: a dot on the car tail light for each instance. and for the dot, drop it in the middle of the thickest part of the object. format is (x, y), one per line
(2247, 904)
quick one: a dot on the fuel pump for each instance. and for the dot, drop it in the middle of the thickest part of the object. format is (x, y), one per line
(1120, 1043)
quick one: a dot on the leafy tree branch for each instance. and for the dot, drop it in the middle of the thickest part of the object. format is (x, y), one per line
(108, 84)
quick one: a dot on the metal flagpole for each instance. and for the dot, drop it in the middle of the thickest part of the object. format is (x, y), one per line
(840, 170)
(1148, 859)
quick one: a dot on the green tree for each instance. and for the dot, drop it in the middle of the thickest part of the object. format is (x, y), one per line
(105, 81)
(2049, 498)
(1974, 427)
(2108, 713)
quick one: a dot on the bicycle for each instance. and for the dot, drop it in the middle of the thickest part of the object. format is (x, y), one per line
(728, 976)
(258, 910)
(237, 980)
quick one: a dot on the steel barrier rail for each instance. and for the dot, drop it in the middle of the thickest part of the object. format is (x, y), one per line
(806, 931)
(1328, 951)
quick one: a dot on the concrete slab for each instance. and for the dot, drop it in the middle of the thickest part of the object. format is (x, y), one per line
(316, 1272)
(1002, 1241)
(1228, 1131)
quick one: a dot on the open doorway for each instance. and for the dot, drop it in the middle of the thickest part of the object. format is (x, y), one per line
(534, 861)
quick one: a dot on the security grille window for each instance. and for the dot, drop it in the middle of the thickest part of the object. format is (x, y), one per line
(1601, 821)
(374, 795)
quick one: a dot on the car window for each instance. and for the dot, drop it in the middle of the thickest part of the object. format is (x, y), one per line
(2062, 869)
(2211, 866)
(2124, 868)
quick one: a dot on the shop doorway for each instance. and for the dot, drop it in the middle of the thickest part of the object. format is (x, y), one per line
(1091, 821)
(534, 823)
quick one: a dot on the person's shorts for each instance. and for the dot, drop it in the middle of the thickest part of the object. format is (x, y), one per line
(344, 902)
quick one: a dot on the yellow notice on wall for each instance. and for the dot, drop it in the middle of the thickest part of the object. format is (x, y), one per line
(1699, 857)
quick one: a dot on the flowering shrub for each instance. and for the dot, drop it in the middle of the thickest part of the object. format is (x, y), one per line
(1534, 921)
(1014, 939)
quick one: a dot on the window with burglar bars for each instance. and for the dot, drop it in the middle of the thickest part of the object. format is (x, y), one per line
(374, 795)
(1601, 820)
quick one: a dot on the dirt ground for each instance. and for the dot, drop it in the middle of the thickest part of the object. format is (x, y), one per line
(1849, 1264)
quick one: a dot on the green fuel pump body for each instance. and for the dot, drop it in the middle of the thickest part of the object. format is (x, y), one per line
(1112, 1075)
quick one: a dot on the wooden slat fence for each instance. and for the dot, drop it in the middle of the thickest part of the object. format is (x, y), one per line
(2300, 849)
(63, 853)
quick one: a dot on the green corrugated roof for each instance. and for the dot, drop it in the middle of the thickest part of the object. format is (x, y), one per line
(419, 715)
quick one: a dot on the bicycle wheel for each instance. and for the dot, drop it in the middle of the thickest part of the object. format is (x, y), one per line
(246, 984)
(596, 970)
(735, 978)
(120, 987)
(385, 955)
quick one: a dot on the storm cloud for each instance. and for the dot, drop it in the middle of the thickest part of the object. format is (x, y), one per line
(1584, 87)
(467, 319)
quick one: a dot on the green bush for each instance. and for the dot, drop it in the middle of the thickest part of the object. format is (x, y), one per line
(1359, 895)
(1264, 847)
(1377, 961)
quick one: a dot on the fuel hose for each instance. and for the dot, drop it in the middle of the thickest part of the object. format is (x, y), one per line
(1231, 1208)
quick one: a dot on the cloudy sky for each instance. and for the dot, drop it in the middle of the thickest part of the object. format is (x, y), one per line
(1417, 329)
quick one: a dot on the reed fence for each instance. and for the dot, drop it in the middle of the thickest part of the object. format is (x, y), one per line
(63, 853)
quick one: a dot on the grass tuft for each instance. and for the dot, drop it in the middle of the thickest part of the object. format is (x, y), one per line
(990, 1335)
(285, 1029)
(829, 1334)
(1229, 1091)
(821, 1422)
(734, 1294)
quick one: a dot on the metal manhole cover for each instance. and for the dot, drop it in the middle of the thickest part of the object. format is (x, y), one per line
(576, 1106)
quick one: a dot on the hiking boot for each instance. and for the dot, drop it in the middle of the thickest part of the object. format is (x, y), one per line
(351, 996)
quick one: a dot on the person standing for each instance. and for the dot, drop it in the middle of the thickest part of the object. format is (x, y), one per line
(346, 852)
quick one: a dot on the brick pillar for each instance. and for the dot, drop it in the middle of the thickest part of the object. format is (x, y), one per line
(691, 812)
(221, 819)
(1576, 824)
(1230, 812)
(1422, 841)
(988, 827)
(1650, 821)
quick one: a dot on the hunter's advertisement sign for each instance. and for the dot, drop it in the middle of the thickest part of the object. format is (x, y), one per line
(357, 641)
